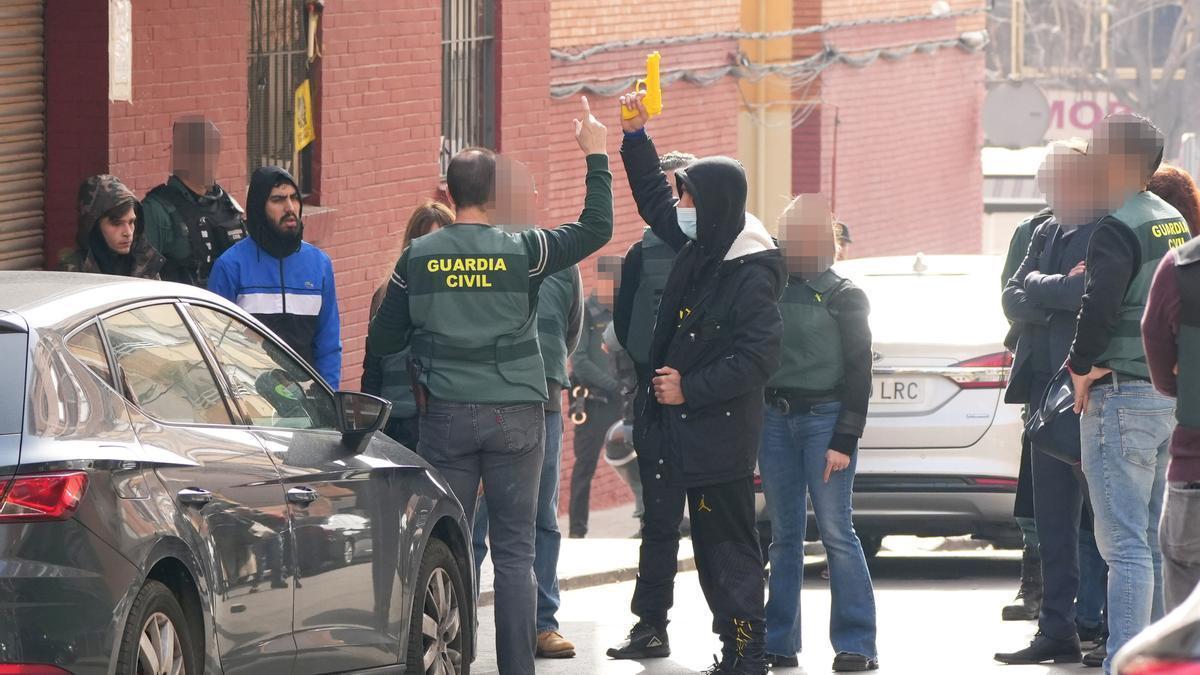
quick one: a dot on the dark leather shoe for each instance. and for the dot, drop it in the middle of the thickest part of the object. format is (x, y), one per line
(1044, 649)
(846, 662)
(644, 642)
(778, 661)
(1095, 658)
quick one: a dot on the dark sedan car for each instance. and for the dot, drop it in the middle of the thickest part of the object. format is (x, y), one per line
(180, 493)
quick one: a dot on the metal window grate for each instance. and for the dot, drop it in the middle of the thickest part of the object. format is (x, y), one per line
(468, 76)
(278, 63)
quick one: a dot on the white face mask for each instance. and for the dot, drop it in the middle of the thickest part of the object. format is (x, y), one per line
(687, 220)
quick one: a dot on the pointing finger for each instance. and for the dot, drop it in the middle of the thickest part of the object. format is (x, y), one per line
(587, 108)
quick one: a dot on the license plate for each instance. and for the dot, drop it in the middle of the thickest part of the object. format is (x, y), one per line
(893, 390)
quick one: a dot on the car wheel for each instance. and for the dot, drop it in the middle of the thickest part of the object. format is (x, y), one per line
(348, 551)
(157, 639)
(871, 543)
(438, 630)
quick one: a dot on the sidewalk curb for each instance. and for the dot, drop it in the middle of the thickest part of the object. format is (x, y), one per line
(575, 583)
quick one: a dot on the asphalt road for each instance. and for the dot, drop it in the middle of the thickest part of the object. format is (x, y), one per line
(939, 612)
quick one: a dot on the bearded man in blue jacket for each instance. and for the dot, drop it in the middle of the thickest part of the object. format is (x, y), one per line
(282, 280)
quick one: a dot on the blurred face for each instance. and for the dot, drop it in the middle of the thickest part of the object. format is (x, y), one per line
(1072, 185)
(516, 196)
(118, 232)
(195, 146)
(806, 236)
(283, 210)
(1123, 177)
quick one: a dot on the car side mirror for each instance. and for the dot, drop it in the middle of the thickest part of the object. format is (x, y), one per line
(361, 414)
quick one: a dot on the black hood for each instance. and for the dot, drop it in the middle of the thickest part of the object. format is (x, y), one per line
(718, 187)
(260, 230)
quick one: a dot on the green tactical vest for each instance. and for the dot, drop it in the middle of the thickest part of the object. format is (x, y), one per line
(1187, 406)
(812, 344)
(555, 297)
(657, 259)
(396, 385)
(1158, 228)
(474, 332)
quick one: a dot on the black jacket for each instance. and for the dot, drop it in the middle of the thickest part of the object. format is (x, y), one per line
(723, 332)
(1041, 295)
(591, 365)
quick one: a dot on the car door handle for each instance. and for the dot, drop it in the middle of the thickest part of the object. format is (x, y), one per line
(302, 495)
(194, 496)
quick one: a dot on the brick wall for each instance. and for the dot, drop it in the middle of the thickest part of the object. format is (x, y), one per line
(907, 143)
(579, 23)
(178, 70)
(380, 125)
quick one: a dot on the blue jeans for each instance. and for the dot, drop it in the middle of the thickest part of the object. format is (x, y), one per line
(547, 538)
(792, 463)
(1125, 433)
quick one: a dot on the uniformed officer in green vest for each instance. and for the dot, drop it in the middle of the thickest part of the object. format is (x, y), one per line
(463, 299)
(816, 410)
(190, 219)
(644, 273)
(560, 324)
(1126, 424)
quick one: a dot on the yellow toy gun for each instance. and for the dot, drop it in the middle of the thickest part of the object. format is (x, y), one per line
(652, 85)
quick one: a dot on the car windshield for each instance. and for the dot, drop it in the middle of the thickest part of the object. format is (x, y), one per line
(12, 382)
(958, 306)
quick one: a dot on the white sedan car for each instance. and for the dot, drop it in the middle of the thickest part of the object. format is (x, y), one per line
(941, 450)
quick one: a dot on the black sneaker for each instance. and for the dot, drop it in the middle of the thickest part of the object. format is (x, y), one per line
(1043, 649)
(1095, 658)
(845, 662)
(644, 642)
(734, 667)
(778, 661)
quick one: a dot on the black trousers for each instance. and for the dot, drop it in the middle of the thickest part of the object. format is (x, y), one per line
(589, 443)
(728, 559)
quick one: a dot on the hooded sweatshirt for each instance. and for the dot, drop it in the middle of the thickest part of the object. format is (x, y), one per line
(284, 282)
(99, 195)
(718, 322)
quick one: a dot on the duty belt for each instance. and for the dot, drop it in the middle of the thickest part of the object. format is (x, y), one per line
(788, 401)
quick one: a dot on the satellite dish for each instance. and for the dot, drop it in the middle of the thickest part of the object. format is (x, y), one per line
(1016, 115)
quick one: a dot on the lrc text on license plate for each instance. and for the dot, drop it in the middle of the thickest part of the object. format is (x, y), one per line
(891, 390)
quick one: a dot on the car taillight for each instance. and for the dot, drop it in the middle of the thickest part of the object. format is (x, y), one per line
(983, 372)
(31, 669)
(46, 496)
(1152, 666)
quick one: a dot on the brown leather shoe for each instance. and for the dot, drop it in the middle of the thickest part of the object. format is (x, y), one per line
(552, 645)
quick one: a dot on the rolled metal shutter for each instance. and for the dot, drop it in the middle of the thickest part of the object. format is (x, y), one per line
(22, 134)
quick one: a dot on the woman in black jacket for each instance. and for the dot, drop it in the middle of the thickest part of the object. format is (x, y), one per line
(699, 416)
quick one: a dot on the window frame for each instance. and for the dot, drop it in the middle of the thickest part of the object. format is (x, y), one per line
(215, 364)
(487, 104)
(108, 356)
(304, 163)
(222, 387)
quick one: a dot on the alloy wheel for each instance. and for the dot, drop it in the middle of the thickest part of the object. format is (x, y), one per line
(159, 649)
(441, 629)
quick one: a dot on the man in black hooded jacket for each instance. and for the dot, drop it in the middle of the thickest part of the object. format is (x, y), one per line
(699, 414)
(282, 280)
